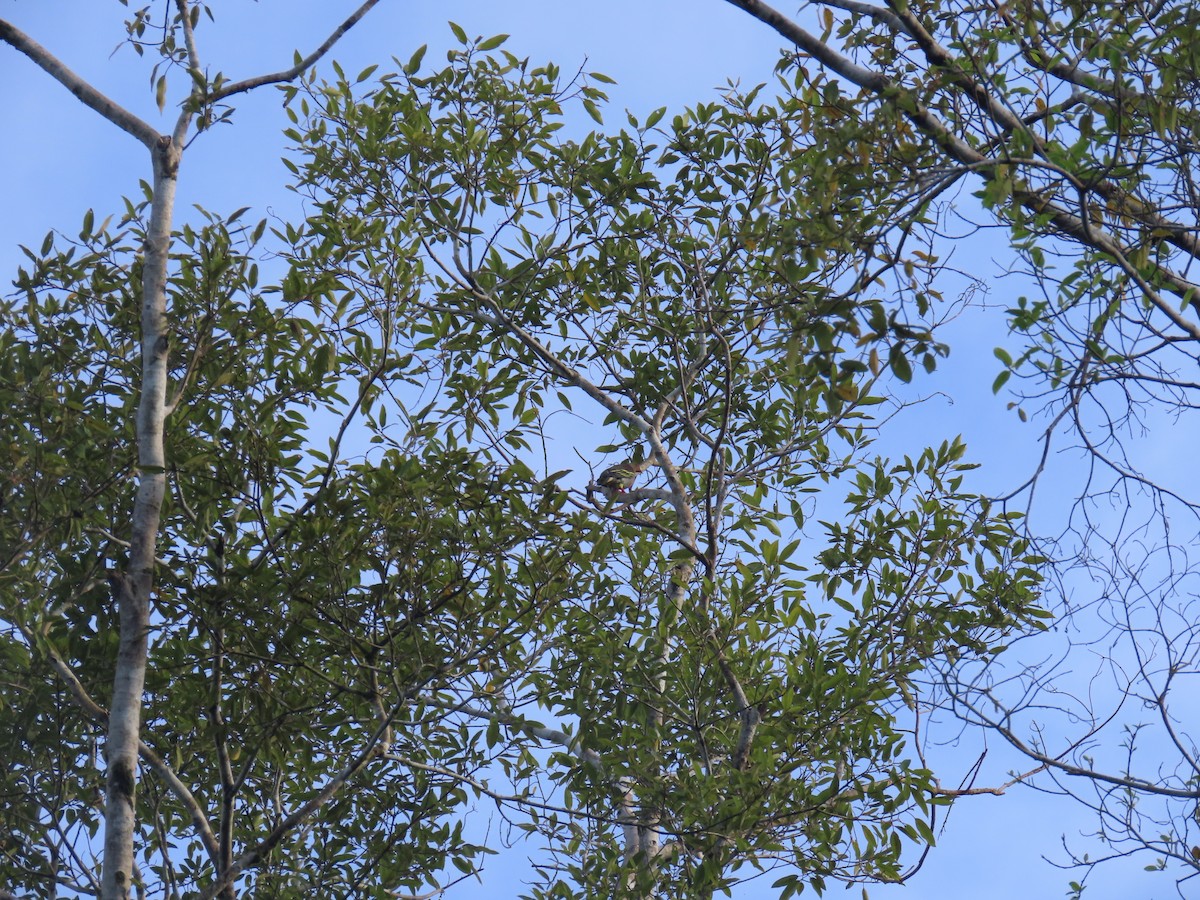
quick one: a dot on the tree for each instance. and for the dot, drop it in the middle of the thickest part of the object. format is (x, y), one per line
(42, 534)
(1076, 123)
(728, 695)
(350, 581)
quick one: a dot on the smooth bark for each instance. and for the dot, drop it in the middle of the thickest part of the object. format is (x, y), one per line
(136, 588)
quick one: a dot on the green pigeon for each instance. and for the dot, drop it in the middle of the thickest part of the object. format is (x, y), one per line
(618, 479)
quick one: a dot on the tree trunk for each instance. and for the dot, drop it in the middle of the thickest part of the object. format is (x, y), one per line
(134, 587)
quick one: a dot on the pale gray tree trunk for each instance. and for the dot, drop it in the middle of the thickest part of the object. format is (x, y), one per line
(135, 588)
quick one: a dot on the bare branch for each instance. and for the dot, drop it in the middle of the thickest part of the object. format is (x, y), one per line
(84, 92)
(286, 75)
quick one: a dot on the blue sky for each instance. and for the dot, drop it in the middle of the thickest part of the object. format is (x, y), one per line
(59, 159)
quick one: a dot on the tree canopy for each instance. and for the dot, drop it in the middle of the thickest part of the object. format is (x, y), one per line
(511, 473)
(374, 583)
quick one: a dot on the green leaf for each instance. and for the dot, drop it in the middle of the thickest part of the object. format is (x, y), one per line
(323, 360)
(493, 42)
(593, 111)
(414, 62)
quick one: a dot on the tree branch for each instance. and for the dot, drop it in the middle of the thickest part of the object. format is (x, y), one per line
(250, 84)
(84, 92)
(927, 122)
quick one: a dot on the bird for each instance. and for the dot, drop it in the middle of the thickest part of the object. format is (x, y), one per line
(617, 479)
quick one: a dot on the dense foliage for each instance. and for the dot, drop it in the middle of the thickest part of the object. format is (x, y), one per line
(386, 582)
